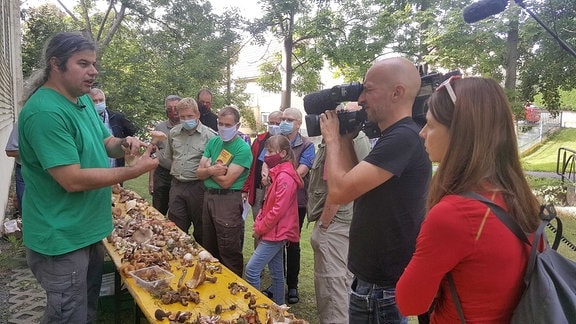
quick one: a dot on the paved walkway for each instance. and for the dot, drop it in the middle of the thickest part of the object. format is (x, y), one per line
(27, 299)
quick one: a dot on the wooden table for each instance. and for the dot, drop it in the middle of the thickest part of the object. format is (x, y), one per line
(212, 295)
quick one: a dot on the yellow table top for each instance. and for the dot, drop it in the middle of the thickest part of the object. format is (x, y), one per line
(212, 295)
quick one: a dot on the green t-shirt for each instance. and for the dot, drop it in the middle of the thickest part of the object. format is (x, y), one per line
(56, 132)
(234, 152)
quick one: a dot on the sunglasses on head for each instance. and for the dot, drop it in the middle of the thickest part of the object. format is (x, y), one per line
(446, 84)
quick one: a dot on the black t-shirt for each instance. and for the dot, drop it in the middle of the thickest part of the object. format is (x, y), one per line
(209, 119)
(387, 219)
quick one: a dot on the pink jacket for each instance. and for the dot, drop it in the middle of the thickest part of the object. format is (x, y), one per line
(278, 218)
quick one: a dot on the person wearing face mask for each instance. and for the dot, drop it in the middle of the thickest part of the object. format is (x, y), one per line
(253, 190)
(159, 180)
(304, 155)
(277, 222)
(224, 167)
(207, 117)
(117, 124)
(186, 145)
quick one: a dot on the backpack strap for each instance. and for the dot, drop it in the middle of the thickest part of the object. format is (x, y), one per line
(550, 213)
(547, 213)
(455, 297)
(501, 214)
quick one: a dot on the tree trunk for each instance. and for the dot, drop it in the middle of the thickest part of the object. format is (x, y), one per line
(285, 101)
(512, 59)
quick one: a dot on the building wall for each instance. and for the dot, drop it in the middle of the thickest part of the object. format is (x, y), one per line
(10, 88)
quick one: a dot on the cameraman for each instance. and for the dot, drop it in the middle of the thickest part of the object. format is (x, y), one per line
(388, 188)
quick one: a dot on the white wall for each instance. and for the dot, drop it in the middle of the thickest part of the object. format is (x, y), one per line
(11, 89)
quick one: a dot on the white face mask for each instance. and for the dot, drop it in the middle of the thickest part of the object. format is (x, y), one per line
(274, 130)
(227, 133)
(100, 107)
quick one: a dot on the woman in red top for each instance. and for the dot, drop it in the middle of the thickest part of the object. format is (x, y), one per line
(470, 132)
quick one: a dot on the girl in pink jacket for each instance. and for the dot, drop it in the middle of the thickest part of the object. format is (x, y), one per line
(277, 223)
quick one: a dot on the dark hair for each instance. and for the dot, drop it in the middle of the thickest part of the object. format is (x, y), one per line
(280, 143)
(230, 110)
(61, 47)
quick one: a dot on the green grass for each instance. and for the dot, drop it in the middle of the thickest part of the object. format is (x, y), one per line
(544, 157)
(541, 159)
(306, 308)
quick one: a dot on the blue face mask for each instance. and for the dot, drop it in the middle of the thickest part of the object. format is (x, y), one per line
(227, 133)
(100, 107)
(286, 127)
(189, 124)
(273, 130)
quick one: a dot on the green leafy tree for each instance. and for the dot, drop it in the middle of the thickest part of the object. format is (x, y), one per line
(39, 24)
(150, 49)
(547, 68)
(298, 65)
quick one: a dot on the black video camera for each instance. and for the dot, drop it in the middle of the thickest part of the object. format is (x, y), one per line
(316, 103)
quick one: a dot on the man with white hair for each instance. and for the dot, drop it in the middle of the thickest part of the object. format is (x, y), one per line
(117, 124)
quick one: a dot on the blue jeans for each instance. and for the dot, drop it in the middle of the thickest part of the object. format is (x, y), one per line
(370, 303)
(271, 254)
(19, 187)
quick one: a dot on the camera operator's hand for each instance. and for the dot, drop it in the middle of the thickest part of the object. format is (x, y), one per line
(330, 126)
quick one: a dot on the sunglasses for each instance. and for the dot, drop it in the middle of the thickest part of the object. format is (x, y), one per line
(446, 84)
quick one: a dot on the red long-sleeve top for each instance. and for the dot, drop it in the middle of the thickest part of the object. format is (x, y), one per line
(487, 261)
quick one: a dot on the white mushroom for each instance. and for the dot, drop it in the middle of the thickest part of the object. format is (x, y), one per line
(142, 235)
(206, 256)
(130, 204)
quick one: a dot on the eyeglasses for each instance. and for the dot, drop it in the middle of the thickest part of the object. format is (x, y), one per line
(446, 84)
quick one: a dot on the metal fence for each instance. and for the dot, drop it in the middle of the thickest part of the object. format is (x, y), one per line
(533, 132)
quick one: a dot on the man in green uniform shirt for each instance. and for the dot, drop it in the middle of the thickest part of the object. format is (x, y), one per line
(184, 150)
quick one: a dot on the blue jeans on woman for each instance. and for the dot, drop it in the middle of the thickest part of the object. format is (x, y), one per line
(271, 254)
(370, 303)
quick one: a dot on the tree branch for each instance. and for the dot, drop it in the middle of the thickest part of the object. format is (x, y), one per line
(110, 7)
(88, 28)
(70, 13)
(115, 25)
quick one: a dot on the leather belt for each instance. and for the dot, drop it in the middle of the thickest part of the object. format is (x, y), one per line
(221, 191)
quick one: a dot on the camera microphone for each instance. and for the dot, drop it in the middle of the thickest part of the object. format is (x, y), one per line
(483, 9)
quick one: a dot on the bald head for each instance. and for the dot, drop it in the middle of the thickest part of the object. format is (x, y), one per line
(390, 88)
(397, 71)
